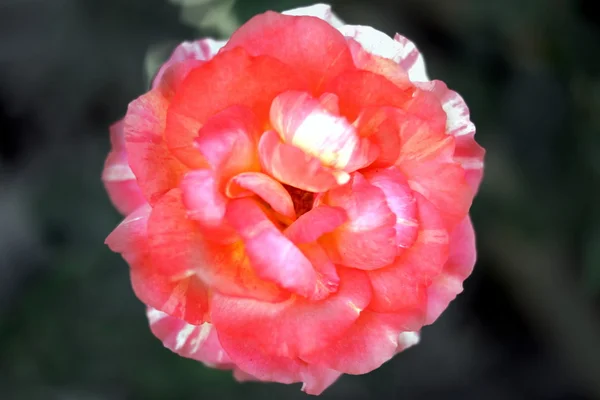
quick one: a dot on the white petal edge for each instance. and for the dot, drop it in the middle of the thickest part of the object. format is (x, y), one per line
(320, 10)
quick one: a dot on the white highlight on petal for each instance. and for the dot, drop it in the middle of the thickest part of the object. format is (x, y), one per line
(154, 315)
(183, 336)
(117, 173)
(408, 339)
(322, 11)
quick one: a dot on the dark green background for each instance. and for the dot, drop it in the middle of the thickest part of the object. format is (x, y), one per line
(526, 326)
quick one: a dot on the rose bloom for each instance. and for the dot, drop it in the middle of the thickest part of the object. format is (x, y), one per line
(296, 198)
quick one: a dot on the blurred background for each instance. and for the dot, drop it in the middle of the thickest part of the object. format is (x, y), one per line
(527, 325)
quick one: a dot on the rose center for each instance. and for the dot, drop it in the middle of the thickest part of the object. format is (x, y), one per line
(303, 200)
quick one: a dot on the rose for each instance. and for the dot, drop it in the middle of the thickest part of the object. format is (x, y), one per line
(297, 198)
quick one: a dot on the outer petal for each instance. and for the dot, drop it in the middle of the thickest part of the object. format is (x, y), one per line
(202, 50)
(230, 78)
(292, 166)
(273, 256)
(468, 153)
(265, 187)
(255, 333)
(368, 240)
(117, 176)
(374, 339)
(459, 266)
(185, 298)
(322, 11)
(198, 342)
(411, 59)
(402, 286)
(301, 121)
(312, 46)
(400, 200)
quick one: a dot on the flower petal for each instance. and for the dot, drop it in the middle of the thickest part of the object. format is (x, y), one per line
(315, 223)
(302, 122)
(231, 78)
(400, 200)
(310, 45)
(198, 342)
(272, 255)
(402, 286)
(371, 341)
(459, 266)
(368, 240)
(411, 60)
(290, 165)
(119, 180)
(201, 50)
(322, 11)
(265, 187)
(254, 332)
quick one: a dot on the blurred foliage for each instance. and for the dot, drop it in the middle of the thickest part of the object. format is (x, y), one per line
(526, 326)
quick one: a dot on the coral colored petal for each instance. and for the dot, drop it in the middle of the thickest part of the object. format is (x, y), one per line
(179, 248)
(272, 255)
(327, 277)
(322, 11)
(302, 122)
(281, 330)
(360, 89)
(315, 223)
(459, 266)
(368, 240)
(400, 200)
(374, 339)
(411, 60)
(265, 187)
(402, 286)
(381, 125)
(308, 44)
(186, 298)
(230, 78)
(227, 141)
(119, 180)
(292, 166)
(468, 153)
(198, 342)
(202, 50)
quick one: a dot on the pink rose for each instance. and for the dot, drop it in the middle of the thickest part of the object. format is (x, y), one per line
(297, 198)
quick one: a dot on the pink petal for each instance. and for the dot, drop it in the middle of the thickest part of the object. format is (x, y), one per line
(322, 11)
(400, 200)
(257, 334)
(119, 180)
(328, 280)
(468, 153)
(313, 47)
(381, 125)
(227, 141)
(179, 249)
(459, 266)
(302, 122)
(198, 342)
(265, 187)
(231, 78)
(292, 166)
(372, 340)
(368, 240)
(272, 255)
(201, 50)
(129, 238)
(315, 223)
(411, 60)
(402, 286)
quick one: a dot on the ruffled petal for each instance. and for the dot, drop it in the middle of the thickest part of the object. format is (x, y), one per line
(402, 286)
(368, 240)
(310, 45)
(322, 11)
(255, 333)
(117, 176)
(459, 266)
(198, 342)
(201, 50)
(372, 340)
(231, 78)
(290, 165)
(411, 59)
(273, 256)
(400, 200)
(256, 183)
(302, 122)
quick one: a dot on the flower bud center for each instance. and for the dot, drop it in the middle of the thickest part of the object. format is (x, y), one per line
(303, 200)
